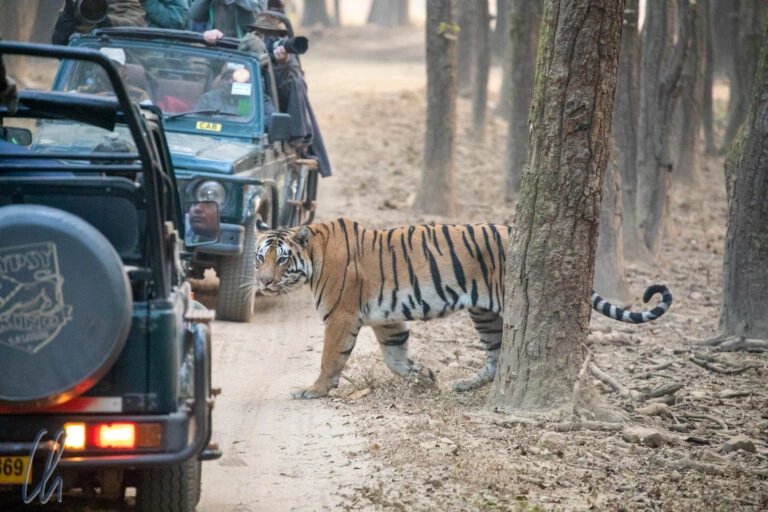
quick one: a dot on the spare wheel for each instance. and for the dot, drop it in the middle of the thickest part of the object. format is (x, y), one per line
(65, 306)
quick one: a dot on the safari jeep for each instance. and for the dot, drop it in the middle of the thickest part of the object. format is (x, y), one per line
(227, 140)
(105, 359)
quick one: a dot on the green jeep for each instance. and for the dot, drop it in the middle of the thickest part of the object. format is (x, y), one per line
(105, 358)
(228, 140)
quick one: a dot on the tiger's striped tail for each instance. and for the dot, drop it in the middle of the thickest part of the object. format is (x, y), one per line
(603, 306)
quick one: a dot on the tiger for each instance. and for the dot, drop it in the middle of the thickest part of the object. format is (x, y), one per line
(383, 278)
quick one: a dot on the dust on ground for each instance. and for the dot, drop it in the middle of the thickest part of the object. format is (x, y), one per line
(438, 450)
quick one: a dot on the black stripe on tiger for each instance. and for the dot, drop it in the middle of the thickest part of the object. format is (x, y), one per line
(606, 308)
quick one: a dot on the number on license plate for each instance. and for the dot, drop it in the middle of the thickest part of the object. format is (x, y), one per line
(13, 469)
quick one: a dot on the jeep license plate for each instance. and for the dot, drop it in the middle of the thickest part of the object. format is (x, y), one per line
(13, 469)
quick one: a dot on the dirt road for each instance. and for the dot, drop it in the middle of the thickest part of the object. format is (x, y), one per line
(280, 453)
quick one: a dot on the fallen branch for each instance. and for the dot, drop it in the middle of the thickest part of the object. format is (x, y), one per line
(569, 426)
(577, 386)
(697, 416)
(724, 371)
(712, 342)
(665, 389)
(613, 383)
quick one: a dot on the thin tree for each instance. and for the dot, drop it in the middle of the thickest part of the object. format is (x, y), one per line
(389, 13)
(482, 57)
(745, 272)
(661, 68)
(707, 117)
(465, 52)
(501, 29)
(435, 193)
(315, 13)
(550, 260)
(517, 87)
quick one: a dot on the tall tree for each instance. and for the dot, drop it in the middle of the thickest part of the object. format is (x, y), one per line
(465, 43)
(690, 104)
(745, 272)
(750, 16)
(707, 117)
(501, 28)
(435, 193)
(661, 67)
(550, 259)
(390, 13)
(482, 58)
(625, 115)
(519, 72)
(315, 13)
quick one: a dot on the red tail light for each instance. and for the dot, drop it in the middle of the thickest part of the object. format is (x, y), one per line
(115, 435)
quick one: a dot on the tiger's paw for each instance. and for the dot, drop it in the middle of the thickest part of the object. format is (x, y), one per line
(310, 393)
(422, 376)
(476, 381)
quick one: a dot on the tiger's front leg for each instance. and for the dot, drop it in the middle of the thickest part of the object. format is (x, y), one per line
(340, 336)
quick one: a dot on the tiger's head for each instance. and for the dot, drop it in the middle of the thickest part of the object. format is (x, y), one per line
(282, 262)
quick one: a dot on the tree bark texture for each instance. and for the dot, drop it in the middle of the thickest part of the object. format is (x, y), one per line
(517, 87)
(315, 13)
(661, 68)
(690, 106)
(550, 260)
(389, 13)
(465, 52)
(625, 118)
(745, 266)
(751, 14)
(482, 58)
(435, 195)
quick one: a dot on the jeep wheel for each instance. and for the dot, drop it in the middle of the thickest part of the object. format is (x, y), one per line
(170, 489)
(65, 304)
(236, 299)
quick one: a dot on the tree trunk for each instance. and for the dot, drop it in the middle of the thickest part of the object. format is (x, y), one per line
(745, 272)
(435, 194)
(501, 28)
(337, 12)
(625, 116)
(517, 87)
(550, 259)
(482, 57)
(750, 20)
(609, 266)
(707, 118)
(661, 67)
(315, 13)
(465, 47)
(389, 13)
(690, 107)
(16, 24)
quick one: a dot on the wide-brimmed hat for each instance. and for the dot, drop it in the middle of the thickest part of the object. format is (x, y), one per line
(269, 24)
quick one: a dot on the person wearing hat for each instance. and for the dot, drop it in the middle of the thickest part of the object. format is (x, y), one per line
(229, 17)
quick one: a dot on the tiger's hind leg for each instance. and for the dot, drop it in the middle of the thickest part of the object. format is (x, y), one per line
(393, 340)
(489, 326)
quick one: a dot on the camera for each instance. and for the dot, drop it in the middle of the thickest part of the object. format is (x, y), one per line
(298, 45)
(90, 12)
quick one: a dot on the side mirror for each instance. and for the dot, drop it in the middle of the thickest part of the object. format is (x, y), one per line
(202, 225)
(279, 127)
(18, 136)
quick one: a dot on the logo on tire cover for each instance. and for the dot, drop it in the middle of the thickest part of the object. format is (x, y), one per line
(32, 309)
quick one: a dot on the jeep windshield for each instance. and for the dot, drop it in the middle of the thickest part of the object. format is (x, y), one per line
(196, 88)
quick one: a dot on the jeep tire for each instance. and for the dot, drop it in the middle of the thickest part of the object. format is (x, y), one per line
(236, 273)
(173, 488)
(65, 305)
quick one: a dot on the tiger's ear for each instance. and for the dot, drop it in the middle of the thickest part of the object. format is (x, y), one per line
(261, 225)
(302, 236)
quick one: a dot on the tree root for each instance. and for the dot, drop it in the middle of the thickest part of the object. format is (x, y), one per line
(724, 343)
(724, 371)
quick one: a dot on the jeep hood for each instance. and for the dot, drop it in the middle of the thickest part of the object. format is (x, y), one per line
(192, 152)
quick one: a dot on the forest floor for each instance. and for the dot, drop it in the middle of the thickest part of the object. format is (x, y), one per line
(438, 450)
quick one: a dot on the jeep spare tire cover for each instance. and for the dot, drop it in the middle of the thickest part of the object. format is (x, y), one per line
(65, 306)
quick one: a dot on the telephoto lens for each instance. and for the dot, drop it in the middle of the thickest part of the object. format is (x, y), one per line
(91, 12)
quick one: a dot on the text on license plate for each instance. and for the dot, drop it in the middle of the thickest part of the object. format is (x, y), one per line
(13, 469)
